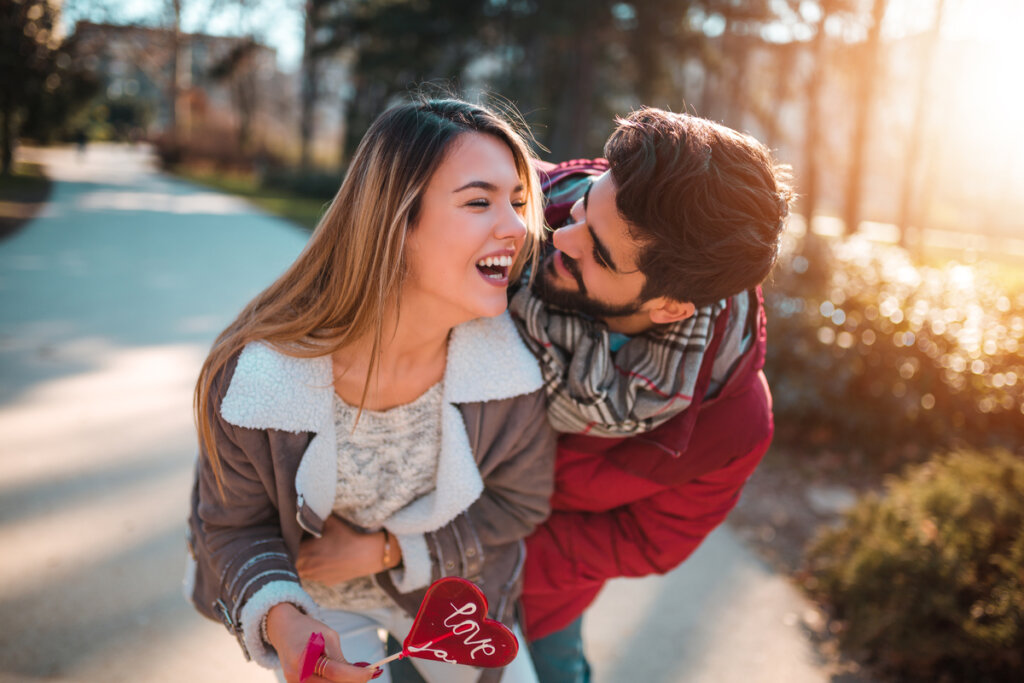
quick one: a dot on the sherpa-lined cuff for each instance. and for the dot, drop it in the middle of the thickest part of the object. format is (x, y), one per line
(416, 566)
(255, 611)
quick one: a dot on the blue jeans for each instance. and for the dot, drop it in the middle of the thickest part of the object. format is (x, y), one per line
(559, 658)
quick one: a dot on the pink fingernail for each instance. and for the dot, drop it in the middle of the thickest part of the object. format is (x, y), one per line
(377, 674)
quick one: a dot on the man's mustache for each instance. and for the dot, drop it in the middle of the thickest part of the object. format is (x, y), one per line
(574, 270)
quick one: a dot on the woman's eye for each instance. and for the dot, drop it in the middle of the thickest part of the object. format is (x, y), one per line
(479, 203)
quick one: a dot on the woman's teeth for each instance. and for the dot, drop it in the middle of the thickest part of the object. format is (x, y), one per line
(501, 261)
(494, 267)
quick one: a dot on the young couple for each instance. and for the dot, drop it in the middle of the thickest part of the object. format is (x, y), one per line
(377, 419)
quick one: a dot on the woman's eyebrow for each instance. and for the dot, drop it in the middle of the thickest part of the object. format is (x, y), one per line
(484, 185)
(479, 184)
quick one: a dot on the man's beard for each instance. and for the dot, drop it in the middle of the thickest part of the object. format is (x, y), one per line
(575, 301)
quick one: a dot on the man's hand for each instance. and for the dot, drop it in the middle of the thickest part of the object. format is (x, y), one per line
(342, 554)
(288, 630)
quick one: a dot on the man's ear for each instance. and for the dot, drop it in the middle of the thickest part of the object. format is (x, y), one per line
(667, 310)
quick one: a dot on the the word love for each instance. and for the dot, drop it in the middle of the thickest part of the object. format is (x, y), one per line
(453, 612)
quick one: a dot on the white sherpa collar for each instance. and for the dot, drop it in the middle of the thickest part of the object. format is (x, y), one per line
(487, 361)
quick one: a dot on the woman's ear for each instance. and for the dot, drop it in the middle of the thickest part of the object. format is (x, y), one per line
(667, 310)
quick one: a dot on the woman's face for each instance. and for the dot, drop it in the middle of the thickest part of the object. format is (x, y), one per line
(469, 229)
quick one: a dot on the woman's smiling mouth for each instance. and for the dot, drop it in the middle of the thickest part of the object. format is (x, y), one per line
(495, 269)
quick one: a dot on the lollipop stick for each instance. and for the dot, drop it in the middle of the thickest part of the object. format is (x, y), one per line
(397, 655)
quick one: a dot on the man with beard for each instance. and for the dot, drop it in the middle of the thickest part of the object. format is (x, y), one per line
(647, 319)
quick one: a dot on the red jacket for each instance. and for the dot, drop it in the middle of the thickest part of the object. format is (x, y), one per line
(640, 505)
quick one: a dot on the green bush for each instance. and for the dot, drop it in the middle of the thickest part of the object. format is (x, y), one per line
(870, 351)
(928, 579)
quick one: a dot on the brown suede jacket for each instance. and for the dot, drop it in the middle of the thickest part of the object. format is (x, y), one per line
(274, 430)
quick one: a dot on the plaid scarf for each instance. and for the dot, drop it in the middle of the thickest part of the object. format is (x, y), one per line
(650, 379)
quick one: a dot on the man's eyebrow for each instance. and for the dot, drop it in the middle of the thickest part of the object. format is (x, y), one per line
(601, 249)
(606, 255)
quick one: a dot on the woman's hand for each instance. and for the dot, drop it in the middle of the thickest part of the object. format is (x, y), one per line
(288, 630)
(342, 553)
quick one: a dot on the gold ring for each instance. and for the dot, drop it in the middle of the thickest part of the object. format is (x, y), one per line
(321, 666)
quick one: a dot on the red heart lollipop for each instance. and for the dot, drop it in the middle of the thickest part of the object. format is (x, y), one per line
(452, 626)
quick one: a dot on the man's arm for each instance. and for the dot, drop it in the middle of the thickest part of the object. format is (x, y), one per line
(648, 536)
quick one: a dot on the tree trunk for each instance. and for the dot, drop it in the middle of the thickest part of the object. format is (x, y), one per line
(736, 101)
(864, 96)
(309, 88)
(246, 98)
(644, 42)
(786, 56)
(569, 137)
(343, 111)
(6, 136)
(173, 85)
(912, 170)
(812, 133)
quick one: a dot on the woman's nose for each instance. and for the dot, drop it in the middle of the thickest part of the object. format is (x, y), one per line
(512, 226)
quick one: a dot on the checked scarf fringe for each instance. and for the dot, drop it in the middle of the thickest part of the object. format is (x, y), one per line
(650, 379)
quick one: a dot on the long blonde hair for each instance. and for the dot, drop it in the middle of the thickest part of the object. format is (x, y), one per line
(353, 267)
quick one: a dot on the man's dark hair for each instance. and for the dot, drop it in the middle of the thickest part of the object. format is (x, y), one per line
(706, 203)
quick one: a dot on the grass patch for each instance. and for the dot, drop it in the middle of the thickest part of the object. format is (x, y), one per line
(22, 195)
(302, 211)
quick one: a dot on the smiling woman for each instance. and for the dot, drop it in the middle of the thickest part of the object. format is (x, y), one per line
(337, 473)
(469, 230)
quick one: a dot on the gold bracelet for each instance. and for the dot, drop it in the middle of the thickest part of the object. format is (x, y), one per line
(387, 549)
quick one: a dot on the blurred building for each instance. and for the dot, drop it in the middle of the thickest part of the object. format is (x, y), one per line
(223, 82)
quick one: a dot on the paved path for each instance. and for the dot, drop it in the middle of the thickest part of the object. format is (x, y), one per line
(108, 303)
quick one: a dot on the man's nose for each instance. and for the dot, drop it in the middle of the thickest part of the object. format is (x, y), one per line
(567, 239)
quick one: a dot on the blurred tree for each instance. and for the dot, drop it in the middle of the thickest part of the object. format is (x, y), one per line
(238, 69)
(867, 75)
(398, 44)
(52, 112)
(664, 35)
(912, 170)
(242, 68)
(813, 140)
(40, 86)
(765, 98)
(555, 55)
(309, 93)
(174, 37)
(27, 65)
(571, 65)
(568, 66)
(742, 21)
